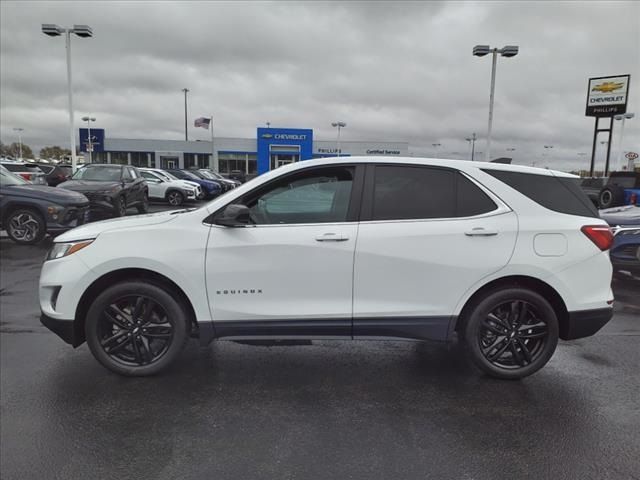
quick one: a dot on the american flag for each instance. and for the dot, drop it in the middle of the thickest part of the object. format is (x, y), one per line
(202, 122)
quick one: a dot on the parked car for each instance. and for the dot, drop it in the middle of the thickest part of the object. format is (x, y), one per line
(111, 189)
(510, 258)
(238, 176)
(187, 183)
(205, 175)
(173, 192)
(28, 212)
(592, 186)
(625, 223)
(216, 176)
(29, 171)
(210, 188)
(54, 174)
(622, 188)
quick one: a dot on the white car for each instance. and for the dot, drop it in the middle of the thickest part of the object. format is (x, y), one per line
(508, 258)
(163, 187)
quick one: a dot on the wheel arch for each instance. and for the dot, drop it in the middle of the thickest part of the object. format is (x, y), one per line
(519, 281)
(17, 204)
(131, 274)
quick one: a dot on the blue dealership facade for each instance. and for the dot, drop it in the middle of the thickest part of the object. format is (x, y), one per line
(270, 149)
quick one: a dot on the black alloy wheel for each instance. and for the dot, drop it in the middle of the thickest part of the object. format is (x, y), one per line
(512, 333)
(144, 206)
(26, 226)
(121, 207)
(175, 198)
(136, 328)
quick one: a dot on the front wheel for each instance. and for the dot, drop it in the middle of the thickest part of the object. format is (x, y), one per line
(511, 333)
(26, 226)
(135, 328)
(120, 209)
(175, 198)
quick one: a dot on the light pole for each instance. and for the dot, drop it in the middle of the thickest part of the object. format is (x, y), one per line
(623, 118)
(339, 125)
(89, 143)
(472, 142)
(19, 130)
(481, 51)
(82, 31)
(186, 135)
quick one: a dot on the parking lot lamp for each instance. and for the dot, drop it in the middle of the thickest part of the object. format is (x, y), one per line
(623, 118)
(82, 31)
(480, 51)
(19, 130)
(339, 125)
(89, 144)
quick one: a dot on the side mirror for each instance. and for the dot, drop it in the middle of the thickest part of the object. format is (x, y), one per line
(234, 215)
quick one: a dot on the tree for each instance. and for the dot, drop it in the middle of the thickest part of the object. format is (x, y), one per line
(13, 150)
(54, 152)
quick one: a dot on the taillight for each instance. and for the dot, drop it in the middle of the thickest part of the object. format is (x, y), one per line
(600, 235)
(634, 199)
(26, 176)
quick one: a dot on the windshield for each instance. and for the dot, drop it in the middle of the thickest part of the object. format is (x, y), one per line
(190, 175)
(99, 173)
(165, 176)
(8, 179)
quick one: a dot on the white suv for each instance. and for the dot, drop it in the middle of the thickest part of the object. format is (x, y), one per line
(174, 191)
(507, 258)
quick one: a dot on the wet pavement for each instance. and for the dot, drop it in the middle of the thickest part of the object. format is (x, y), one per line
(326, 410)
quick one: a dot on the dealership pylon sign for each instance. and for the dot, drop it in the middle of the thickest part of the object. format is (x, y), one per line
(607, 96)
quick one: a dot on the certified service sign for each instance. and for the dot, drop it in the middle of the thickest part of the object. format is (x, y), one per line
(607, 96)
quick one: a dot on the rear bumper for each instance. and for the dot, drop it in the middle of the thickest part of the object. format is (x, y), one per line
(67, 330)
(585, 323)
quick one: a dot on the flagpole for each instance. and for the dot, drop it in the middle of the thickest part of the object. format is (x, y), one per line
(214, 160)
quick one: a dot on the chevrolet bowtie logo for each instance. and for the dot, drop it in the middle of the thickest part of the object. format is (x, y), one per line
(608, 87)
(267, 135)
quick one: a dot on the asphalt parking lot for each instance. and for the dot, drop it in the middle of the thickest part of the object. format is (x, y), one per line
(321, 410)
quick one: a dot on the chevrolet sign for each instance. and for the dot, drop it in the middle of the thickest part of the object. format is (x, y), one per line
(289, 136)
(607, 96)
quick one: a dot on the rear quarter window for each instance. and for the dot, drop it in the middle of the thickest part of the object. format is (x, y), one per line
(559, 194)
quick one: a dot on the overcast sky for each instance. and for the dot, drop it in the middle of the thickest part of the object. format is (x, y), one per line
(393, 71)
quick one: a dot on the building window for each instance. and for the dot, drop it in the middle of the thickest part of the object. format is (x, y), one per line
(119, 158)
(245, 162)
(189, 160)
(139, 159)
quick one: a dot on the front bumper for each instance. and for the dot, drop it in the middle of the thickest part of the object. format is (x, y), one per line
(67, 330)
(70, 218)
(585, 323)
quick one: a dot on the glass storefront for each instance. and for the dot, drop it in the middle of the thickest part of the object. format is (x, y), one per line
(245, 162)
(119, 158)
(139, 159)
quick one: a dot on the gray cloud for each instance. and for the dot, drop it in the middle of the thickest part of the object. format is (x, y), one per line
(397, 71)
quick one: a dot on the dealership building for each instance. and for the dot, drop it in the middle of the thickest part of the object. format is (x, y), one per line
(271, 148)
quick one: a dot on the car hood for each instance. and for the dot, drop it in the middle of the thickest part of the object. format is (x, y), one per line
(88, 186)
(186, 184)
(627, 215)
(52, 194)
(92, 230)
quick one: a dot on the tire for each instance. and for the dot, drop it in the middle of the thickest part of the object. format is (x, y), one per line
(142, 338)
(500, 344)
(25, 226)
(175, 198)
(120, 207)
(144, 206)
(612, 196)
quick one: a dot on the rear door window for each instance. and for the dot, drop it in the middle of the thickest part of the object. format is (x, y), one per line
(559, 194)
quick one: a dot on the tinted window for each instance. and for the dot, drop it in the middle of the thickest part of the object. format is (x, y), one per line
(133, 172)
(555, 193)
(318, 196)
(126, 174)
(46, 168)
(471, 200)
(403, 192)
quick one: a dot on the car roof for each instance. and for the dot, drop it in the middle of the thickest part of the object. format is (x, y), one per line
(438, 162)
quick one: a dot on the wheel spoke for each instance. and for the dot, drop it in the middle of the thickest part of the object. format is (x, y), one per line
(148, 310)
(146, 350)
(494, 344)
(497, 329)
(136, 350)
(158, 331)
(522, 316)
(496, 355)
(118, 347)
(524, 350)
(516, 354)
(113, 339)
(114, 318)
(496, 319)
(137, 309)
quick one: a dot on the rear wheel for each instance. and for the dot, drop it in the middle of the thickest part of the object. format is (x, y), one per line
(511, 333)
(136, 329)
(144, 206)
(121, 207)
(26, 226)
(175, 198)
(612, 196)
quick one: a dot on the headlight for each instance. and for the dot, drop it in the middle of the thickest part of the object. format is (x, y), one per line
(60, 250)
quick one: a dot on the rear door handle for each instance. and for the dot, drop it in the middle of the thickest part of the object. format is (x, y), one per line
(332, 237)
(481, 232)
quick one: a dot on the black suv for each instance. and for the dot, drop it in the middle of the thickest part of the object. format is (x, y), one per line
(28, 212)
(111, 189)
(55, 174)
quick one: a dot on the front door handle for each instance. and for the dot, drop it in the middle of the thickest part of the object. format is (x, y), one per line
(332, 237)
(481, 232)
